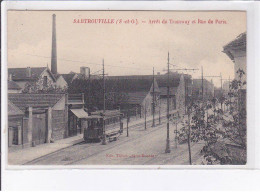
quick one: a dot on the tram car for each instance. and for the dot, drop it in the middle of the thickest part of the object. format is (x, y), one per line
(113, 125)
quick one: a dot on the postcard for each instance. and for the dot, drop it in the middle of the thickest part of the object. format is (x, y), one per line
(126, 88)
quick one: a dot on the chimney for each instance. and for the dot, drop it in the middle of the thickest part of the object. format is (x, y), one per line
(28, 72)
(53, 48)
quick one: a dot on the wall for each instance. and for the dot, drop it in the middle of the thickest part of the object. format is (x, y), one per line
(21, 83)
(50, 81)
(240, 62)
(58, 124)
(61, 83)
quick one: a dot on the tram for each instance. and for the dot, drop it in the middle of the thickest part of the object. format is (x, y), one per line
(112, 119)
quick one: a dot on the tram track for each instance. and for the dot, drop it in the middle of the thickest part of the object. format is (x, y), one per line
(138, 125)
(111, 147)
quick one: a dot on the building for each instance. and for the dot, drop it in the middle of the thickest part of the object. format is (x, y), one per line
(139, 94)
(41, 117)
(32, 78)
(61, 82)
(14, 87)
(76, 114)
(208, 89)
(139, 90)
(236, 51)
(15, 125)
(225, 87)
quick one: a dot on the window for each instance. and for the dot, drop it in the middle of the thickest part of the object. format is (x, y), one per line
(45, 81)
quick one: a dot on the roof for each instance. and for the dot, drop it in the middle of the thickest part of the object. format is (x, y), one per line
(23, 101)
(13, 86)
(135, 97)
(138, 82)
(156, 88)
(80, 113)
(20, 73)
(197, 83)
(13, 110)
(68, 77)
(239, 43)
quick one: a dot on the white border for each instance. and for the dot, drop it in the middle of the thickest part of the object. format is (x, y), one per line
(253, 134)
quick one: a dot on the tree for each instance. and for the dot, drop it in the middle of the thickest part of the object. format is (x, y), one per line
(235, 123)
(201, 125)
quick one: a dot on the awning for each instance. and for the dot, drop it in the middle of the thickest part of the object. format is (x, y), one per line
(80, 113)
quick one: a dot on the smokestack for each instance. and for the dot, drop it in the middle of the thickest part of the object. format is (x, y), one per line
(54, 48)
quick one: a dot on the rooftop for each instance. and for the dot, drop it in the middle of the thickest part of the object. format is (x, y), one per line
(21, 73)
(239, 43)
(13, 86)
(23, 101)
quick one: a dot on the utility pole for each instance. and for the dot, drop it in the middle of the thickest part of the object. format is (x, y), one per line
(127, 121)
(145, 116)
(159, 111)
(202, 84)
(221, 92)
(104, 142)
(167, 150)
(153, 125)
(229, 83)
(189, 112)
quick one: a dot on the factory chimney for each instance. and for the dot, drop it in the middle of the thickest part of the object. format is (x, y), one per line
(53, 48)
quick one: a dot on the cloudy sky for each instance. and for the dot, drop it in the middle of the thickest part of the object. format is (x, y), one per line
(127, 49)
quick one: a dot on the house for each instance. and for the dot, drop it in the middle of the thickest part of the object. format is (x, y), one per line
(32, 78)
(15, 125)
(42, 118)
(61, 82)
(139, 90)
(139, 96)
(14, 87)
(70, 77)
(236, 51)
(76, 114)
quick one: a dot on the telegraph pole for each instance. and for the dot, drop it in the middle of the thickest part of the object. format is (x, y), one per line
(159, 111)
(104, 142)
(202, 84)
(153, 125)
(229, 83)
(189, 112)
(221, 91)
(167, 150)
(145, 116)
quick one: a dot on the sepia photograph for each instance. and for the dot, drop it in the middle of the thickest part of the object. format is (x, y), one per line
(126, 88)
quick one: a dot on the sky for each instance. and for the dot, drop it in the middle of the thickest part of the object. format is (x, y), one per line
(127, 49)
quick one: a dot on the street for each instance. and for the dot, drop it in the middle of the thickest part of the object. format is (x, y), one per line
(142, 147)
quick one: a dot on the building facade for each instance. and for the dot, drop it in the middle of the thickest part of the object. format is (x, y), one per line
(236, 51)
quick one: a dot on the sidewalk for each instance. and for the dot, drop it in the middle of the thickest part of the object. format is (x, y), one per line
(23, 156)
